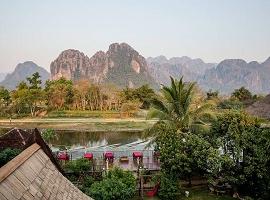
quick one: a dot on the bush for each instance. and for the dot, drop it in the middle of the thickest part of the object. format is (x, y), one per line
(169, 188)
(48, 134)
(7, 155)
(231, 104)
(117, 185)
(78, 166)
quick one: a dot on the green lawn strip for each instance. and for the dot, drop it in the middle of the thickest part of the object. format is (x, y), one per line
(204, 194)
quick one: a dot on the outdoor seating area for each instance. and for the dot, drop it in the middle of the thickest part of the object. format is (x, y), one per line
(128, 160)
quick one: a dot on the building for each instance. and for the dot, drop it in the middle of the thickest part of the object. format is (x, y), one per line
(34, 173)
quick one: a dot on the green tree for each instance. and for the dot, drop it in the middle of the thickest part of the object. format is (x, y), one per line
(34, 81)
(5, 97)
(143, 94)
(30, 94)
(242, 94)
(212, 94)
(48, 134)
(184, 155)
(59, 93)
(169, 187)
(117, 185)
(177, 107)
(244, 156)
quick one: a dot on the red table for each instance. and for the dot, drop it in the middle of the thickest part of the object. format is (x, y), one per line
(88, 156)
(63, 156)
(108, 155)
(137, 154)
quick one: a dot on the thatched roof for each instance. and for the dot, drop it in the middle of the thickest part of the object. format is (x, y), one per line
(260, 108)
(20, 139)
(34, 173)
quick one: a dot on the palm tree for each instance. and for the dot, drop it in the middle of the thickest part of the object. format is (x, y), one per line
(177, 108)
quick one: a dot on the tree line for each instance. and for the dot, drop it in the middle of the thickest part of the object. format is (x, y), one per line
(227, 147)
(29, 98)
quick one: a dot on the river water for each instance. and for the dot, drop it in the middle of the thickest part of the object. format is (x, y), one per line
(121, 143)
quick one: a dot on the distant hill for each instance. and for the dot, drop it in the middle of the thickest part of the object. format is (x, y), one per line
(162, 68)
(120, 65)
(2, 76)
(235, 73)
(21, 72)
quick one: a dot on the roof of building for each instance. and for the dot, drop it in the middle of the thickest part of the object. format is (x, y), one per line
(21, 139)
(34, 173)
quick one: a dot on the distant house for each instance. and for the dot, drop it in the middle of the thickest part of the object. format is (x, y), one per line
(34, 173)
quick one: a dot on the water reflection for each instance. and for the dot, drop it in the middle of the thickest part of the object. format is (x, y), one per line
(121, 143)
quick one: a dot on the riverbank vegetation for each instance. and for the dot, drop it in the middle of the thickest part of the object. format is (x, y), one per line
(231, 153)
(64, 98)
(202, 135)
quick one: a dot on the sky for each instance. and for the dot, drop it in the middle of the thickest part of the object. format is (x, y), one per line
(209, 29)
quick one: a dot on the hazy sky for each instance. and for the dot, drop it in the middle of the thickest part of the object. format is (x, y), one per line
(213, 30)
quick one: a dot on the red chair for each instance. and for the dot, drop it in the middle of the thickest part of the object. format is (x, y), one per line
(63, 156)
(88, 156)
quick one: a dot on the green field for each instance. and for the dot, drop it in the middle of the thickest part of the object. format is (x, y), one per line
(83, 124)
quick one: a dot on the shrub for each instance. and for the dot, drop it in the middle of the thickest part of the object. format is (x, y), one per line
(7, 155)
(48, 134)
(117, 185)
(78, 166)
(169, 188)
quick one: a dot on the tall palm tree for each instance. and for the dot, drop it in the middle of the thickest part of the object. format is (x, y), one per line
(177, 107)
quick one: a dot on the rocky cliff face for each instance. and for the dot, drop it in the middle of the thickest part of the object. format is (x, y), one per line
(125, 67)
(121, 65)
(21, 72)
(235, 73)
(162, 68)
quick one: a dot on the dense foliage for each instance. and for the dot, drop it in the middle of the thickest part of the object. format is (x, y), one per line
(177, 107)
(62, 94)
(7, 155)
(232, 154)
(48, 134)
(116, 185)
(245, 149)
(78, 166)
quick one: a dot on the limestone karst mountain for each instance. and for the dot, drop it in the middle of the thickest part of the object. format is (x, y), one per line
(235, 73)
(162, 68)
(120, 65)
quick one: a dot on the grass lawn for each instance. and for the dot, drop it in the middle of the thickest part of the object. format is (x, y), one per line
(82, 124)
(204, 194)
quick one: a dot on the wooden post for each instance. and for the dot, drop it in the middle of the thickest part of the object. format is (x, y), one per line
(141, 177)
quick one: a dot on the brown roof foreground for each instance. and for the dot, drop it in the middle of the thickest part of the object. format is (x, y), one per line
(34, 174)
(21, 139)
(260, 108)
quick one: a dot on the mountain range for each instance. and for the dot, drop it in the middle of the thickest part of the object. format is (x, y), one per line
(162, 68)
(2, 76)
(125, 67)
(21, 72)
